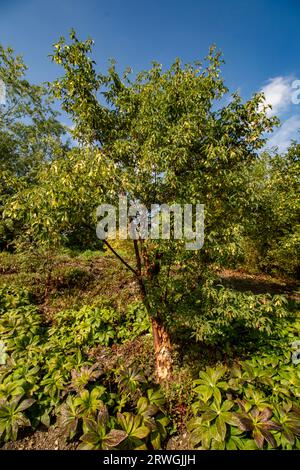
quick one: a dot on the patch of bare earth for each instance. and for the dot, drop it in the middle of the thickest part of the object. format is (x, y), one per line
(47, 439)
(259, 283)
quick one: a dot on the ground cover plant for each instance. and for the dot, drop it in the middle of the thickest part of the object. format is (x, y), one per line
(63, 374)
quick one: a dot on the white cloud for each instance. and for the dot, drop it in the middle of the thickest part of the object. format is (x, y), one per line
(278, 92)
(288, 131)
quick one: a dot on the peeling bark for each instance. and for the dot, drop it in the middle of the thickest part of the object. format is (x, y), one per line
(162, 349)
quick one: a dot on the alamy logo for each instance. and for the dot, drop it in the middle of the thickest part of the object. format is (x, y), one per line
(2, 92)
(135, 221)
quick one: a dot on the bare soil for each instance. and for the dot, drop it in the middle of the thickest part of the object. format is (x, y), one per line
(260, 283)
(46, 439)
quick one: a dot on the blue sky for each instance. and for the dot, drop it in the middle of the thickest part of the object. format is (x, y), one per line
(259, 40)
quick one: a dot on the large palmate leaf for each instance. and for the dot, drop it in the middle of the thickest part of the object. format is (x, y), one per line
(145, 408)
(288, 416)
(135, 430)
(81, 378)
(156, 397)
(12, 416)
(259, 424)
(130, 379)
(213, 423)
(89, 403)
(97, 436)
(209, 384)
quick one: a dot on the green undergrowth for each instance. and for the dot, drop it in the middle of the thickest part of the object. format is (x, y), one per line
(66, 279)
(252, 405)
(45, 370)
(67, 374)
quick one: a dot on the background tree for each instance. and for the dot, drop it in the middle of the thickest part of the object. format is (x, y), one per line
(274, 230)
(30, 133)
(60, 207)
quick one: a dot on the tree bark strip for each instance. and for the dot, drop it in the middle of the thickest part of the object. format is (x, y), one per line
(162, 349)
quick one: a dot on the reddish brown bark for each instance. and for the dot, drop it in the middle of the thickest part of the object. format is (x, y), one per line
(162, 349)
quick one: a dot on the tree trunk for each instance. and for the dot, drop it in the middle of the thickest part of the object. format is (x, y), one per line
(161, 338)
(162, 349)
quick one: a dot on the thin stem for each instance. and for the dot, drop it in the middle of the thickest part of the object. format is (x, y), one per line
(121, 259)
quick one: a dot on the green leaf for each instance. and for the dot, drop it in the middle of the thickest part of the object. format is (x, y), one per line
(221, 428)
(26, 404)
(114, 438)
(141, 432)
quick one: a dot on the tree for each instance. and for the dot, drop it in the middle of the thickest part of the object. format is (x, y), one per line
(162, 139)
(275, 225)
(30, 133)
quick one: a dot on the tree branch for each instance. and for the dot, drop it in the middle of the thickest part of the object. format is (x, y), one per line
(121, 259)
(140, 280)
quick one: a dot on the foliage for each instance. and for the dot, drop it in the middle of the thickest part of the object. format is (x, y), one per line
(166, 121)
(97, 437)
(30, 132)
(96, 325)
(274, 227)
(160, 138)
(217, 317)
(253, 404)
(49, 374)
(61, 207)
(30, 135)
(43, 365)
(219, 314)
